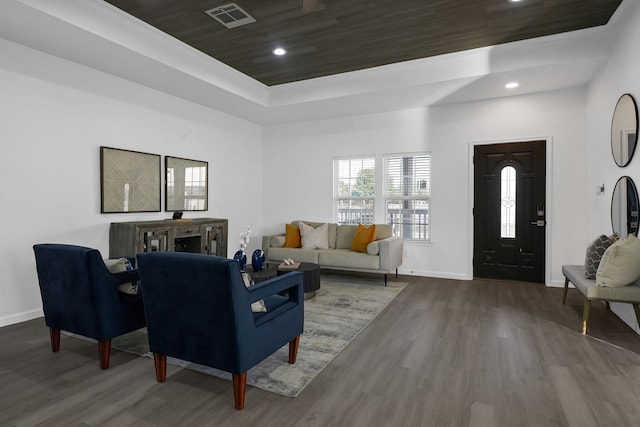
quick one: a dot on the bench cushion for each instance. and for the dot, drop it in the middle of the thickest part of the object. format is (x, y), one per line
(576, 275)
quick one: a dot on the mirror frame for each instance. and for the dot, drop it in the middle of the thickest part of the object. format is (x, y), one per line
(130, 181)
(622, 131)
(177, 204)
(632, 214)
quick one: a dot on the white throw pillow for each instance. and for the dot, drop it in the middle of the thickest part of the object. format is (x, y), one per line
(314, 238)
(258, 306)
(620, 264)
(118, 265)
(373, 248)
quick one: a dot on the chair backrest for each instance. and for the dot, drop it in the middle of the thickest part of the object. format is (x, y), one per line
(193, 306)
(78, 292)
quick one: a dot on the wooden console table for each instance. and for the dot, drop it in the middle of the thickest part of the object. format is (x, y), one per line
(200, 235)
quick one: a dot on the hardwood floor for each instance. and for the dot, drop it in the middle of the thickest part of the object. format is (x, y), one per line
(444, 353)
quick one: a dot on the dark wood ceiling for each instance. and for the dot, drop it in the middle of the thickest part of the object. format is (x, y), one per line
(347, 35)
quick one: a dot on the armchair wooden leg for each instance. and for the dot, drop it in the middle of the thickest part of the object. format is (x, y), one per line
(55, 339)
(293, 349)
(564, 292)
(239, 388)
(104, 350)
(585, 315)
(160, 362)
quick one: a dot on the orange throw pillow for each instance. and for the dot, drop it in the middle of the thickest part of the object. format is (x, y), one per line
(292, 240)
(362, 237)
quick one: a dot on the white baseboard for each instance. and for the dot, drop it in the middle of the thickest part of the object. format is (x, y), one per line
(435, 274)
(457, 276)
(20, 317)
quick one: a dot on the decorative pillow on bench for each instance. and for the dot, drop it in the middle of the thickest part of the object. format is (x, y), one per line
(595, 251)
(620, 264)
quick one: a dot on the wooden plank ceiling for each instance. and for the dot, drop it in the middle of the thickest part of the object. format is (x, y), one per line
(346, 35)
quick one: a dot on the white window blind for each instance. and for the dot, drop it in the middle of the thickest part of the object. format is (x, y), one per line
(354, 190)
(408, 195)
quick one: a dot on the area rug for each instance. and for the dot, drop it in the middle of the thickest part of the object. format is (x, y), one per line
(341, 309)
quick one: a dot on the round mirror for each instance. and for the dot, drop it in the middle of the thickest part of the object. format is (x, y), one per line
(624, 130)
(624, 207)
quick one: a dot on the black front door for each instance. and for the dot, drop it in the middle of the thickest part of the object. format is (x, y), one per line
(509, 211)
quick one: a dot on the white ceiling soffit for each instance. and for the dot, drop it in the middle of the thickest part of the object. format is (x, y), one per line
(98, 35)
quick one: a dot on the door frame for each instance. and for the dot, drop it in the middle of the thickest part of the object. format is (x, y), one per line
(548, 198)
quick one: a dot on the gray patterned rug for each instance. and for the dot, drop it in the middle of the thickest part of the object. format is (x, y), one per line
(341, 309)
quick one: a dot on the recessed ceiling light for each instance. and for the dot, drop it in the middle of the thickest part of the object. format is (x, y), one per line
(514, 1)
(279, 51)
(512, 85)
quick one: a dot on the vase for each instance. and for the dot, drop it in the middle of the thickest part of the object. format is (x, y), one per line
(241, 257)
(257, 260)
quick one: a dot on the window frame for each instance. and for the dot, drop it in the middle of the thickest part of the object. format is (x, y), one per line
(369, 213)
(421, 230)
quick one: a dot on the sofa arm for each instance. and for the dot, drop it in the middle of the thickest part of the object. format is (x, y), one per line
(390, 253)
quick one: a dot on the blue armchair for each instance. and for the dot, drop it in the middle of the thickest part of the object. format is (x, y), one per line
(80, 295)
(199, 310)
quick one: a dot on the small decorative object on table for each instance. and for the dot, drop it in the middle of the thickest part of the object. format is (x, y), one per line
(257, 260)
(288, 263)
(240, 255)
(177, 215)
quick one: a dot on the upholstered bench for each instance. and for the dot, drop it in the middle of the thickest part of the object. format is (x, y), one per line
(576, 275)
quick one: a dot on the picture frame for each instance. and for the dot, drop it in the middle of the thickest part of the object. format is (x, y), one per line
(130, 181)
(186, 184)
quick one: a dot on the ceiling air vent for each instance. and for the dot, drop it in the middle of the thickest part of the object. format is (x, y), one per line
(230, 15)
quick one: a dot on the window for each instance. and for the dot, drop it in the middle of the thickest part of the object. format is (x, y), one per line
(354, 190)
(408, 195)
(194, 187)
(508, 202)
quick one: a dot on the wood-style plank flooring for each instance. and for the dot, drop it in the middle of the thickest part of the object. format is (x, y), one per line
(444, 353)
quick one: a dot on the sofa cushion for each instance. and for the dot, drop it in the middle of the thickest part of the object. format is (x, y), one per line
(620, 264)
(346, 258)
(344, 236)
(594, 254)
(314, 238)
(383, 231)
(364, 235)
(296, 254)
(292, 237)
(277, 241)
(118, 265)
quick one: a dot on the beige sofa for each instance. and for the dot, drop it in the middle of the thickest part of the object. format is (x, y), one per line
(384, 255)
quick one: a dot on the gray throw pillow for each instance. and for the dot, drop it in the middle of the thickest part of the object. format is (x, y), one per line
(595, 251)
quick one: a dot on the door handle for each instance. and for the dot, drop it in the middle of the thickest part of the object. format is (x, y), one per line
(538, 223)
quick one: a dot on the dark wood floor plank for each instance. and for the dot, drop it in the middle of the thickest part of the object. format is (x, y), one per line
(443, 353)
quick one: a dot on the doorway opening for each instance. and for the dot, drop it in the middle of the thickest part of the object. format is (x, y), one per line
(509, 212)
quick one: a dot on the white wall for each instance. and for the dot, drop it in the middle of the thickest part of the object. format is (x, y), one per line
(298, 170)
(54, 116)
(620, 76)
